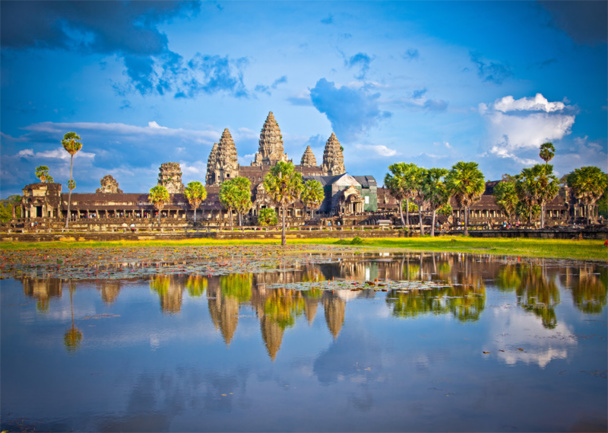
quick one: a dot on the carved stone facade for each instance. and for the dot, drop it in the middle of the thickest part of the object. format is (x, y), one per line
(109, 185)
(308, 159)
(333, 158)
(170, 176)
(271, 144)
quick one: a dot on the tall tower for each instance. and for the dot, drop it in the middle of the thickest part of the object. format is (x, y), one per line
(271, 149)
(333, 158)
(308, 159)
(223, 160)
(170, 176)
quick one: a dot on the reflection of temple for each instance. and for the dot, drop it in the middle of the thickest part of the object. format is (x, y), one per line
(109, 290)
(223, 309)
(335, 309)
(42, 289)
(170, 289)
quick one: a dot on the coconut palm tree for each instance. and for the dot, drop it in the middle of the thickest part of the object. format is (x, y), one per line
(435, 191)
(195, 192)
(467, 184)
(283, 185)
(159, 197)
(403, 182)
(588, 186)
(312, 194)
(71, 143)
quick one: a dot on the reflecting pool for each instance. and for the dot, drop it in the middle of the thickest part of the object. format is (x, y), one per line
(254, 339)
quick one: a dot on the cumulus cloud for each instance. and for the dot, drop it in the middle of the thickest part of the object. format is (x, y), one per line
(517, 127)
(130, 31)
(351, 110)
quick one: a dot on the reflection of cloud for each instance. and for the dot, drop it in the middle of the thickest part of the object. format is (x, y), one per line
(516, 329)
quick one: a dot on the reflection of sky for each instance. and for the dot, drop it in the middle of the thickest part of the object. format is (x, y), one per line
(513, 329)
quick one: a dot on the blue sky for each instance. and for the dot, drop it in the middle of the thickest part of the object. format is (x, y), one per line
(431, 82)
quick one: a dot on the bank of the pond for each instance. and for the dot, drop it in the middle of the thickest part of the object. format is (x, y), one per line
(550, 248)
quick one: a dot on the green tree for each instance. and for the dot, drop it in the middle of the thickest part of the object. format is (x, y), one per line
(312, 195)
(403, 183)
(267, 217)
(10, 209)
(537, 185)
(435, 191)
(195, 192)
(283, 185)
(71, 143)
(547, 152)
(42, 173)
(466, 183)
(588, 185)
(159, 197)
(235, 195)
(505, 195)
(418, 195)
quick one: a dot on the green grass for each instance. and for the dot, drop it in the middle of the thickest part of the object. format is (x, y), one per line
(564, 249)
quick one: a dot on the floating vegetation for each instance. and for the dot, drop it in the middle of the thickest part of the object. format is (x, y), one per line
(355, 286)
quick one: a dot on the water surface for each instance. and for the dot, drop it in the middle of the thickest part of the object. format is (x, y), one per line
(329, 341)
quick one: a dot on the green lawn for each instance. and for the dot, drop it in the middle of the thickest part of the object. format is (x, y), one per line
(565, 249)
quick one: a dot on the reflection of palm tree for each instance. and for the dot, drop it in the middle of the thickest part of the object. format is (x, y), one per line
(196, 285)
(237, 286)
(73, 336)
(169, 291)
(589, 293)
(538, 294)
(508, 278)
(417, 302)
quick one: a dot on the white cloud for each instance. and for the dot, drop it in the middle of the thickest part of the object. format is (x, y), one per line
(378, 149)
(153, 124)
(58, 153)
(538, 103)
(519, 126)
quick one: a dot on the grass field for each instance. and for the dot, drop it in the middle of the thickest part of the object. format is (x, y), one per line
(565, 249)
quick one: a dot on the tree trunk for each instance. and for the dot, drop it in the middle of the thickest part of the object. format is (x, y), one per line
(433, 223)
(466, 221)
(407, 211)
(542, 216)
(283, 242)
(401, 212)
(240, 219)
(67, 218)
(158, 217)
(420, 217)
(194, 215)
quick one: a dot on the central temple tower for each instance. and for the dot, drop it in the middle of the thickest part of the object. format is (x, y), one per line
(271, 144)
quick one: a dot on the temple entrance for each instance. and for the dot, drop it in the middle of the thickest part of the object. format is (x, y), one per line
(39, 212)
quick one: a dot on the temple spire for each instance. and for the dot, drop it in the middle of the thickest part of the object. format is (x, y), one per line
(270, 150)
(333, 158)
(308, 159)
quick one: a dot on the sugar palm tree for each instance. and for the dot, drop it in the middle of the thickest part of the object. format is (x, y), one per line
(588, 186)
(159, 197)
(466, 183)
(195, 192)
(506, 196)
(71, 143)
(536, 186)
(283, 185)
(312, 194)
(267, 217)
(435, 191)
(547, 152)
(235, 195)
(42, 173)
(403, 182)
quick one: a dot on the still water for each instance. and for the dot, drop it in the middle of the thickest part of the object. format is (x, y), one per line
(330, 341)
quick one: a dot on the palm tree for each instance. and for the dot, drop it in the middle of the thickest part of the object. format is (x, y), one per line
(547, 152)
(235, 195)
(536, 186)
(73, 336)
(435, 191)
(467, 184)
(267, 217)
(418, 195)
(283, 185)
(588, 186)
(506, 196)
(195, 192)
(403, 184)
(72, 145)
(159, 197)
(312, 194)
(42, 173)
